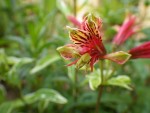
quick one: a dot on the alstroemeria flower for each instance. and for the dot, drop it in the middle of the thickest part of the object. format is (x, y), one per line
(127, 29)
(74, 20)
(142, 51)
(87, 47)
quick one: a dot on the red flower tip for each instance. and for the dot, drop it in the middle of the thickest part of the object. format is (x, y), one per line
(142, 51)
(74, 20)
(126, 30)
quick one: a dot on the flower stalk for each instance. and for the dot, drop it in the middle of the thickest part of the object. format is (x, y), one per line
(100, 88)
(75, 7)
(75, 89)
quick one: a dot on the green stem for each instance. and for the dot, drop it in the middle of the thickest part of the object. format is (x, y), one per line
(75, 91)
(101, 71)
(75, 7)
(100, 88)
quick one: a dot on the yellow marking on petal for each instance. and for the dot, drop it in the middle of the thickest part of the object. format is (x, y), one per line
(93, 24)
(78, 36)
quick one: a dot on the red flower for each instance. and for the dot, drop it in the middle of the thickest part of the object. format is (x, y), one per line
(87, 47)
(73, 20)
(127, 29)
(142, 51)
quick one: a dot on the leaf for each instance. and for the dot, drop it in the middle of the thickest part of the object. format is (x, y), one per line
(13, 76)
(23, 60)
(43, 63)
(16, 39)
(47, 95)
(119, 57)
(146, 32)
(2, 93)
(6, 107)
(62, 6)
(71, 73)
(94, 79)
(122, 81)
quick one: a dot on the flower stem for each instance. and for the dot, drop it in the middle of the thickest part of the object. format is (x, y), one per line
(75, 7)
(100, 88)
(101, 70)
(75, 91)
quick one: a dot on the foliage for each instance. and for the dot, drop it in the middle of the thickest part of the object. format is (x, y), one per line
(33, 77)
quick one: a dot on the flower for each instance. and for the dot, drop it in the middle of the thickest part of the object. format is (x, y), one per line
(87, 47)
(127, 29)
(74, 20)
(142, 51)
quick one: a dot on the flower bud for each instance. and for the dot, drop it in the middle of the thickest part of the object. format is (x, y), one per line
(119, 57)
(83, 60)
(141, 51)
(68, 52)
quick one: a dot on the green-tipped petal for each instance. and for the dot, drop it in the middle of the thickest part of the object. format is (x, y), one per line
(78, 36)
(119, 57)
(93, 24)
(97, 20)
(83, 60)
(68, 52)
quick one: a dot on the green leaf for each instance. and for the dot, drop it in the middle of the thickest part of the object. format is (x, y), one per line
(13, 76)
(43, 63)
(119, 57)
(6, 107)
(62, 6)
(94, 79)
(47, 95)
(121, 81)
(2, 93)
(23, 60)
(71, 73)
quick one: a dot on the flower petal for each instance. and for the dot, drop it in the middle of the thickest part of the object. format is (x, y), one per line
(78, 36)
(142, 51)
(83, 60)
(97, 20)
(126, 30)
(74, 21)
(119, 57)
(68, 51)
(92, 24)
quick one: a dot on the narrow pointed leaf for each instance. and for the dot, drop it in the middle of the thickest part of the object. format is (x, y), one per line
(47, 95)
(121, 81)
(43, 63)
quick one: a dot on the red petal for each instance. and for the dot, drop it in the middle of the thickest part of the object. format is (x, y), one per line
(78, 36)
(72, 63)
(125, 31)
(142, 51)
(74, 21)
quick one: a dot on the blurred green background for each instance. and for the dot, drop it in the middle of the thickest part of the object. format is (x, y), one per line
(33, 76)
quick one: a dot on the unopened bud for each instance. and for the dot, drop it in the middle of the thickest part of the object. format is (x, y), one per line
(83, 60)
(68, 52)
